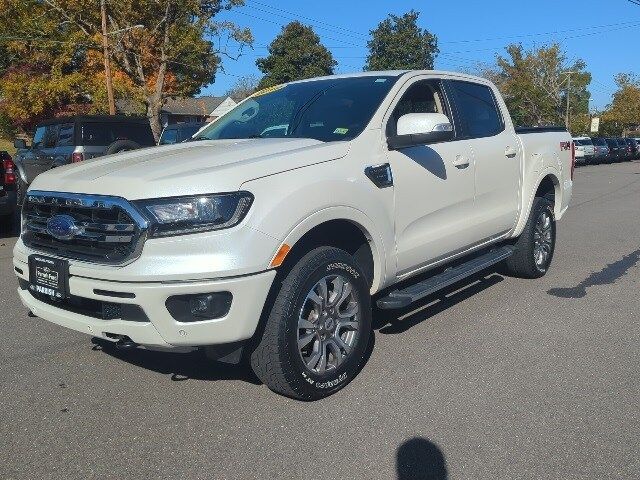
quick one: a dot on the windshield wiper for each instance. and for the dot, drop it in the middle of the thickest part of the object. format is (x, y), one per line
(305, 107)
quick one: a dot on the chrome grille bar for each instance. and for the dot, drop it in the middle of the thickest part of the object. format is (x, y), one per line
(108, 230)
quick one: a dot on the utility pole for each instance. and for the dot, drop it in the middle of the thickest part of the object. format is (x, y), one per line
(566, 121)
(107, 63)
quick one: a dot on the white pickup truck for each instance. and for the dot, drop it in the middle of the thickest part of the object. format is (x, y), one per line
(267, 236)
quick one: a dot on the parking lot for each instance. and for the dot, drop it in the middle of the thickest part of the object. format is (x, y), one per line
(496, 378)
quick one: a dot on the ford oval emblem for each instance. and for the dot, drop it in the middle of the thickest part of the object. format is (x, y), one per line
(62, 227)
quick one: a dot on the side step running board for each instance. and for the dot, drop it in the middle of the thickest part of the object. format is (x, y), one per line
(404, 297)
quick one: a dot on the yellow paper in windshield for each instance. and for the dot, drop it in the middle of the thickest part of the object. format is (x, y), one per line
(341, 131)
(264, 91)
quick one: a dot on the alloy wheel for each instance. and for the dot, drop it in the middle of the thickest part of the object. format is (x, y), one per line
(328, 324)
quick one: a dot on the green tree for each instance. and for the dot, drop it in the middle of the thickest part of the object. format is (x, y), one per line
(296, 53)
(398, 43)
(534, 85)
(174, 54)
(624, 111)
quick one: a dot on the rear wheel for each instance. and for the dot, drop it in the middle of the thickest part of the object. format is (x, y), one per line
(121, 146)
(535, 246)
(318, 328)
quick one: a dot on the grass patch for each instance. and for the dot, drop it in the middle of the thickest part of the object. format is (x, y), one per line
(7, 145)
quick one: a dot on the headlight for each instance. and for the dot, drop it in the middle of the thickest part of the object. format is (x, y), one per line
(200, 213)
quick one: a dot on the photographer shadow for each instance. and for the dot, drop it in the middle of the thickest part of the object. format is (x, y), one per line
(420, 459)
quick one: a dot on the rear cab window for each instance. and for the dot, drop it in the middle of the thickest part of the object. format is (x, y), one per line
(105, 133)
(477, 110)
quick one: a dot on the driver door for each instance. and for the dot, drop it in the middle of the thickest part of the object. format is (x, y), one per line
(433, 185)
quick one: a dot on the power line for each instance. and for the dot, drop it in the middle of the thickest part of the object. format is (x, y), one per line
(557, 32)
(298, 16)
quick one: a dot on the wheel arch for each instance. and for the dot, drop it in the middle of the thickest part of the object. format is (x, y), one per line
(343, 228)
(547, 186)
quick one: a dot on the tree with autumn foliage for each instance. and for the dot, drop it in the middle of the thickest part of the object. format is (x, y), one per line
(56, 48)
(534, 85)
(624, 112)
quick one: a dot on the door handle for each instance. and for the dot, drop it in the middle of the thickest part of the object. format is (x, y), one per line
(510, 152)
(461, 161)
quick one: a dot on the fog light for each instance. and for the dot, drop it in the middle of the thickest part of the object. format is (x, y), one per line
(198, 307)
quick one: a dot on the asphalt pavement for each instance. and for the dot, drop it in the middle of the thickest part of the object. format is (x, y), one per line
(497, 378)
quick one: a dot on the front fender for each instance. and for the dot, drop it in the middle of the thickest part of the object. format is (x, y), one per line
(290, 204)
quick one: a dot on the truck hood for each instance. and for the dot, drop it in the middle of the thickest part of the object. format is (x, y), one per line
(188, 168)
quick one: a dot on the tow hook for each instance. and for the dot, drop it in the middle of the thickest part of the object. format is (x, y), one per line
(123, 342)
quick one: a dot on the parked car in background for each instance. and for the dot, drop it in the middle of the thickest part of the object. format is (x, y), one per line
(634, 148)
(585, 150)
(8, 203)
(601, 149)
(179, 132)
(627, 150)
(73, 139)
(616, 150)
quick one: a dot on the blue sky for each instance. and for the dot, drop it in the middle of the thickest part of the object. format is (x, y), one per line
(604, 33)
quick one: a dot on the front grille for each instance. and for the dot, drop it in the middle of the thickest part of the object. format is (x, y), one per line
(107, 230)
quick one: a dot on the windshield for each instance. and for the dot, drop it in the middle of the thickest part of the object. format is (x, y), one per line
(326, 110)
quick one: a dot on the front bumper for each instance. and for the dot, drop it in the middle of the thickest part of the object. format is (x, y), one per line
(161, 330)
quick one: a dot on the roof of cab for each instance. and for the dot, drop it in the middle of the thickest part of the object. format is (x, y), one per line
(396, 73)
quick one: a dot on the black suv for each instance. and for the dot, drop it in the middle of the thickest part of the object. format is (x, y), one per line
(74, 139)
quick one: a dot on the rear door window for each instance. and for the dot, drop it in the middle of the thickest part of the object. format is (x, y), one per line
(477, 109)
(65, 135)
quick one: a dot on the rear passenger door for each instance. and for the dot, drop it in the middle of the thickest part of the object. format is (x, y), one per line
(497, 157)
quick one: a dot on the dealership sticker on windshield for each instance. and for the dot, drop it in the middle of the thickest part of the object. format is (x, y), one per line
(341, 131)
(264, 91)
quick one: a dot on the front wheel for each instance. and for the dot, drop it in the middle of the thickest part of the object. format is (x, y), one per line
(535, 246)
(318, 327)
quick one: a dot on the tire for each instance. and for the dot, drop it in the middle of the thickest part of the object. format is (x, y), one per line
(536, 238)
(323, 365)
(121, 146)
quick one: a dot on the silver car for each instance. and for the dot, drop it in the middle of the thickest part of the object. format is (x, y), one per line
(585, 151)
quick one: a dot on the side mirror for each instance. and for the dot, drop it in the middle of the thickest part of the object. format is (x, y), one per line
(19, 144)
(421, 129)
